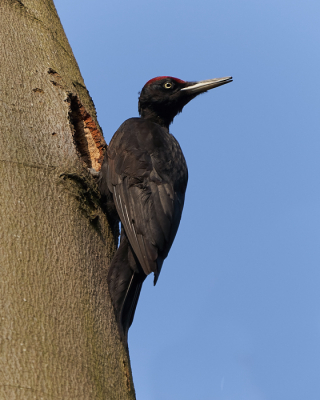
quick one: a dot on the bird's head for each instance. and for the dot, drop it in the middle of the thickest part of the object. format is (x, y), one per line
(162, 98)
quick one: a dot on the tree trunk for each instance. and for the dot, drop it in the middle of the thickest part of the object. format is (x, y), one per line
(58, 335)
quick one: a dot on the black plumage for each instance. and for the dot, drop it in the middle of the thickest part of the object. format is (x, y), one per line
(143, 181)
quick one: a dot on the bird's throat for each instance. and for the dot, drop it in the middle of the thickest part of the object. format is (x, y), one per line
(163, 120)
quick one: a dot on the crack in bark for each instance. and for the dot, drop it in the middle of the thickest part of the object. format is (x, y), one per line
(20, 3)
(57, 80)
(26, 10)
(38, 90)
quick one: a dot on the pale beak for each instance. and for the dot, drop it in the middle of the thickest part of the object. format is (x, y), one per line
(203, 86)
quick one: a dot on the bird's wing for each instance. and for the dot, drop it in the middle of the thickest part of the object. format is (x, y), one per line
(147, 188)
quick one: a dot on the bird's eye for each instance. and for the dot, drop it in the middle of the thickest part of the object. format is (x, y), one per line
(167, 85)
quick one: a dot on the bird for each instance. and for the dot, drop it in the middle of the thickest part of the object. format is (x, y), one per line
(142, 181)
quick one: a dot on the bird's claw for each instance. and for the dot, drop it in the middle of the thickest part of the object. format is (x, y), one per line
(93, 172)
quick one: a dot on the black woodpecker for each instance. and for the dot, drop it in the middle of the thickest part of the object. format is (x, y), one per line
(143, 180)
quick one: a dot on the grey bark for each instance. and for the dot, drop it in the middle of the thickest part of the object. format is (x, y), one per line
(58, 336)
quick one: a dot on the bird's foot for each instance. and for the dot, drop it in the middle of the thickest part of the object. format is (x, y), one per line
(94, 173)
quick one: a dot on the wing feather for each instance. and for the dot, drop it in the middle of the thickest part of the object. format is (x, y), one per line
(148, 189)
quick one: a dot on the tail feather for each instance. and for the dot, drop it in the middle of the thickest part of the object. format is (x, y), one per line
(125, 279)
(130, 302)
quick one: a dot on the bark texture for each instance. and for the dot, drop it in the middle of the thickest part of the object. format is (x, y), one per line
(58, 336)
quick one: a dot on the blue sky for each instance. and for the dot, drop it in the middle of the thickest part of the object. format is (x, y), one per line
(236, 312)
